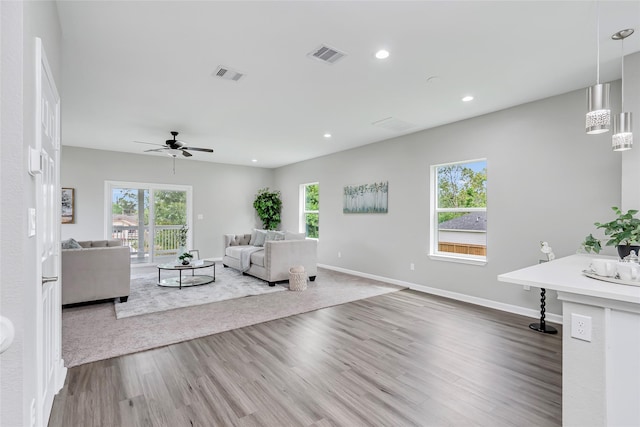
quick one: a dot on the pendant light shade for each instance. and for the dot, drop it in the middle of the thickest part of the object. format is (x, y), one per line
(622, 138)
(598, 118)
(599, 112)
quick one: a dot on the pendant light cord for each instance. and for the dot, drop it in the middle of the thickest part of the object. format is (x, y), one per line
(622, 76)
(597, 42)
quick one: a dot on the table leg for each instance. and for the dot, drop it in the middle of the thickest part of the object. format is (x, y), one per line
(214, 271)
(542, 326)
(180, 271)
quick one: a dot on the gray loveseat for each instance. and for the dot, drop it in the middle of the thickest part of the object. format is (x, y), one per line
(101, 269)
(272, 261)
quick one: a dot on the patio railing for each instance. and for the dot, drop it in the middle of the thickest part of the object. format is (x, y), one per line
(166, 240)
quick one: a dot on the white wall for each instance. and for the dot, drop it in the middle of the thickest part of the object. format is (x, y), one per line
(223, 194)
(21, 23)
(631, 158)
(547, 180)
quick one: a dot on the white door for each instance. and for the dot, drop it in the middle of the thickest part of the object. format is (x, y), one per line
(51, 371)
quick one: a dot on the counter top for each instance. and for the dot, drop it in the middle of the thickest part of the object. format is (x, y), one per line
(565, 275)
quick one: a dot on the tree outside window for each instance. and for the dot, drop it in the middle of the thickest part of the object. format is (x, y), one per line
(459, 225)
(311, 210)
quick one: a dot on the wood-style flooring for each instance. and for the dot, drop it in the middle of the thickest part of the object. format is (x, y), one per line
(401, 359)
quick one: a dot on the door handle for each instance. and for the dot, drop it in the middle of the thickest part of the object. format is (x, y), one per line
(49, 279)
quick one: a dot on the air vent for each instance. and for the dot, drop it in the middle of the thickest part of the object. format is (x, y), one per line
(227, 73)
(396, 125)
(326, 54)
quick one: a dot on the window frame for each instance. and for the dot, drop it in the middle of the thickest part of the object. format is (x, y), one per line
(302, 227)
(434, 253)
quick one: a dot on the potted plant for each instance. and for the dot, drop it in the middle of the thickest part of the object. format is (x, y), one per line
(622, 232)
(268, 205)
(185, 258)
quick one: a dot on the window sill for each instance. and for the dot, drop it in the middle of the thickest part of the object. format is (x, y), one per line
(458, 259)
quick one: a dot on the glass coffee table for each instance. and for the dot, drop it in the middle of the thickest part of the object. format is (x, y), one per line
(186, 280)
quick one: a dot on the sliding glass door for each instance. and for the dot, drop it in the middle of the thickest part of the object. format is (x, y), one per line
(149, 218)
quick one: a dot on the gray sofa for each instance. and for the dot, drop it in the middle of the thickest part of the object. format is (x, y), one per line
(271, 263)
(100, 270)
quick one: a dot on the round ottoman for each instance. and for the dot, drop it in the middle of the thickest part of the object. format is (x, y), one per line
(297, 278)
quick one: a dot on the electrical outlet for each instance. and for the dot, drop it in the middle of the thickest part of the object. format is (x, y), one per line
(412, 266)
(581, 327)
(339, 254)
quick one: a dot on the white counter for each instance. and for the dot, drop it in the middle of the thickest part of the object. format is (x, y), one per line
(600, 377)
(564, 275)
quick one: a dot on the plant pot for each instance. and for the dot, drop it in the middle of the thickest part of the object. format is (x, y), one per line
(625, 250)
(185, 262)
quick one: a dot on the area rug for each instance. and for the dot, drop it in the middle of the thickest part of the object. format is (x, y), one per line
(147, 297)
(92, 332)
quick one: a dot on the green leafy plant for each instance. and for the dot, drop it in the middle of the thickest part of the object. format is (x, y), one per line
(268, 206)
(624, 230)
(182, 235)
(185, 256)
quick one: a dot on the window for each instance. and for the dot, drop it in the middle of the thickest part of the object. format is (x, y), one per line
(459, 211)
(309, 210)
(148, 218)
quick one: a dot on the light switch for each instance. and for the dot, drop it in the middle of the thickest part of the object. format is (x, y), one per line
(200, 216)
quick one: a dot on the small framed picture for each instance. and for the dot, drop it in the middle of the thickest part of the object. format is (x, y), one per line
(68, 200)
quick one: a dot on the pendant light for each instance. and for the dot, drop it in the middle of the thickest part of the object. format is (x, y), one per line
(598, 119)
(622, 138)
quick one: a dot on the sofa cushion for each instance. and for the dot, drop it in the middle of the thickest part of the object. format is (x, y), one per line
(257, 258)
(100, 243)
(70, 244)
(288, 235)
(234, 251)
(273, 235)
(253, 236)
(261, 235)
(240, 240)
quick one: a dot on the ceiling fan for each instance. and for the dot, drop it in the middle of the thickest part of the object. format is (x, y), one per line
(174, 147)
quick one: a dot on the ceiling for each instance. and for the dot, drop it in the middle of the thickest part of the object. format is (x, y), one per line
(133, 71)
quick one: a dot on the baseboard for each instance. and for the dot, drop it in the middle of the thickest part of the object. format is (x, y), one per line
(550, 317)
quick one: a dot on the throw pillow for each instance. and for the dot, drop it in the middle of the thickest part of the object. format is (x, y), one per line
(288, 235)
(274, 236)
(261, 235)
(70, 244)
(254, 234)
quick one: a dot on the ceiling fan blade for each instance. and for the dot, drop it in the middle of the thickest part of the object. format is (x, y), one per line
(186, 153)
(206, 150)
(155, 149)
(150, 143)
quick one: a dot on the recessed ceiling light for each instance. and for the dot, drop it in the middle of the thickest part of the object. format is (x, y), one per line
(382, 54)
(327, 135)
(467, 98)
(254, 160)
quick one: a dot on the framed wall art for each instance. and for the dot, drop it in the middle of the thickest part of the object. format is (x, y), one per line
(366, 198)
(68, 201)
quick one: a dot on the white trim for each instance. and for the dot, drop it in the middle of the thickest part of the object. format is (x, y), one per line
(459, 259)
(509, 308)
